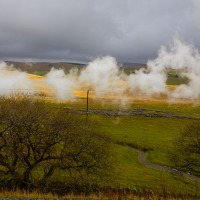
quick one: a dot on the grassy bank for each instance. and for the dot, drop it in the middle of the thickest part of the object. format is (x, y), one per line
(156, 134)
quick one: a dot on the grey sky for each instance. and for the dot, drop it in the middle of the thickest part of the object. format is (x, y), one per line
(79, 30)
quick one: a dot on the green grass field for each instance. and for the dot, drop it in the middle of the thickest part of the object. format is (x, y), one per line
(157, 134)
(40, 73)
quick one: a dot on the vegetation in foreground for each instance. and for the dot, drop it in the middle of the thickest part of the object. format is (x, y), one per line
(43, 147)
(127, 176)
(186, 155)
(109, 195)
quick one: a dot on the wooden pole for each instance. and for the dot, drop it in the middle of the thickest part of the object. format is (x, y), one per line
(87, 108)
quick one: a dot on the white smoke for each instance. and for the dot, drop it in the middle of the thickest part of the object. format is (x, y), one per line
(178, 56)
(13, 81)
(190, 91)
(147, 84)
(103, 75)
(64, 84)
(185, 58)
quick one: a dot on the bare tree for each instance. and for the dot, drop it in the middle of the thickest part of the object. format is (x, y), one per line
(186, 154)
(39, 139)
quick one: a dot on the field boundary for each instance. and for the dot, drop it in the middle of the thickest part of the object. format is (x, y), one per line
(133, 112)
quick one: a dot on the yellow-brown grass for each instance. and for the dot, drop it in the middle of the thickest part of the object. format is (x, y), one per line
(42, 87)
(100, 196)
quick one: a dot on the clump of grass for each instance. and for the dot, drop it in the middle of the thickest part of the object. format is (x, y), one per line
(107, 194)
(25, 194)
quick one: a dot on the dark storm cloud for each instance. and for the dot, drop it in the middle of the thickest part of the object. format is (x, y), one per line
(131, 30)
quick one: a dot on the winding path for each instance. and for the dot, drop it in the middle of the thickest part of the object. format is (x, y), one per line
(142, 158)
(142, 155)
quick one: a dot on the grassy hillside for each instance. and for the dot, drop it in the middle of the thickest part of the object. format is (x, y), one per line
(144, 131)
(42, 68)
(152, 133)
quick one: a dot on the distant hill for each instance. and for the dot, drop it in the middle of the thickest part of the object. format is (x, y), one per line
(130, 68)
(41, 68)
(126, 64)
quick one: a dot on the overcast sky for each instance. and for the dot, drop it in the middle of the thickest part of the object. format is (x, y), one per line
(80, 30)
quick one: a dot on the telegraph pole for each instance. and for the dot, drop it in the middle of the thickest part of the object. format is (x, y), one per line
(87, 108)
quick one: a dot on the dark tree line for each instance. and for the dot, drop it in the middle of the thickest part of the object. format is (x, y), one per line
(40, 141)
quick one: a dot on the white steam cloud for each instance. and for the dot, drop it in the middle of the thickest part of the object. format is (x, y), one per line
(62, 83)
(104, 76)
(146, 83)
(186, 59)
(13, 81)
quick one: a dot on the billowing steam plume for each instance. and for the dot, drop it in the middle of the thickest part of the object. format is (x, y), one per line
(13, 81)
(185, 58)
(179, 56)
(104, 76)
(62, 83)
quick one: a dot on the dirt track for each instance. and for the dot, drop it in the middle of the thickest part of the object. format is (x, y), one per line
(142, 158)
(142, 155)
